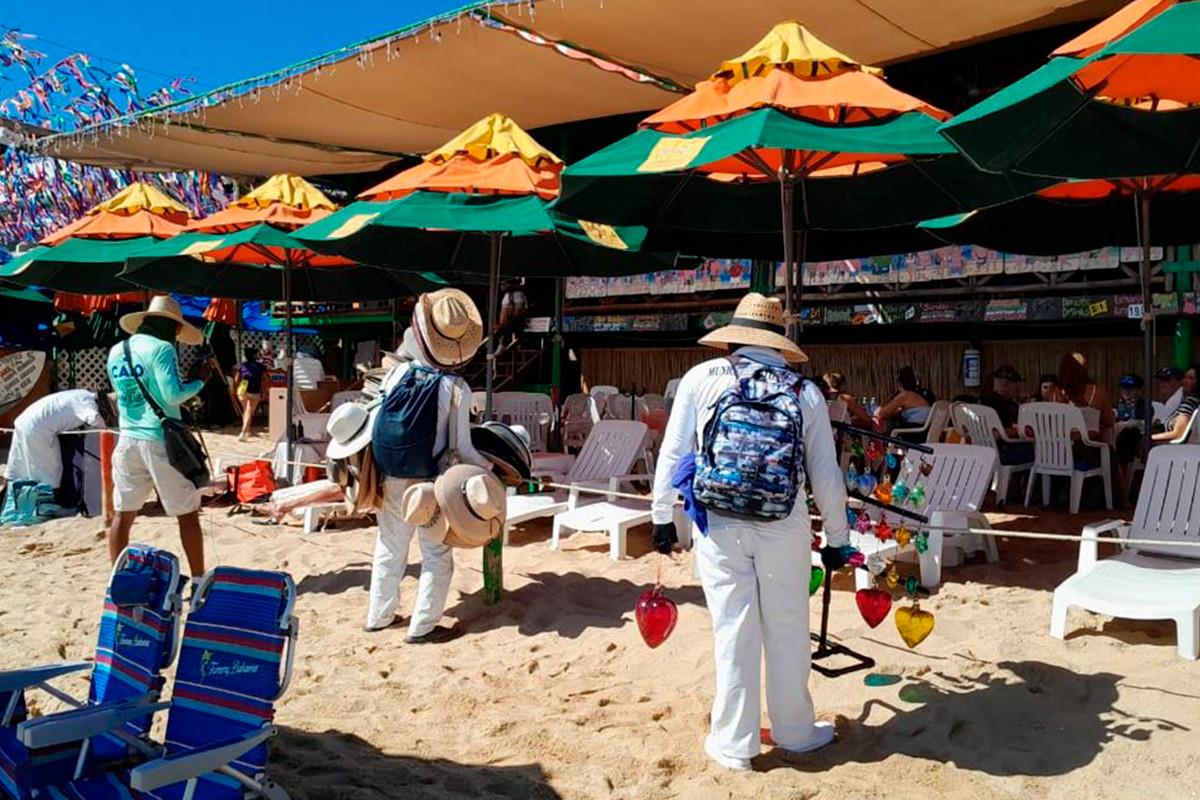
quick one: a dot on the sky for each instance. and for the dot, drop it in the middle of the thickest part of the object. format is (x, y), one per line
(215, 42)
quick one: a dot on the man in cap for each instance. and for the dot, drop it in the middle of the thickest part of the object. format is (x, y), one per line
(446, 332)
(140, 463)
(1004, 396)
(755, 572)
(1168, 384)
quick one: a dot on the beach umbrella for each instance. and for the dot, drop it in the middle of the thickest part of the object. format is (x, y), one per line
(1120, 101)
(86, 256)
(791, 140)
(479, 205)
(245, 252)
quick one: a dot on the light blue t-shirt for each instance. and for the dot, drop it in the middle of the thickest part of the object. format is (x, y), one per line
(155, 363)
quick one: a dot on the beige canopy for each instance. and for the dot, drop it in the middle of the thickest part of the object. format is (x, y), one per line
(407, 92)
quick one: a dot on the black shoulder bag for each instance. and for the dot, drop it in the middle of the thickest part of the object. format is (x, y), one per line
(184, 451)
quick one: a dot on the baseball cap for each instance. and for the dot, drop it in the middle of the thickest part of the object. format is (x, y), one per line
(1168, 374)
(1130, 381)
(1008, 372)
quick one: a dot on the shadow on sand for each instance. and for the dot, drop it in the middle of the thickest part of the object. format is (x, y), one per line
(333, 765)
(1014, 718)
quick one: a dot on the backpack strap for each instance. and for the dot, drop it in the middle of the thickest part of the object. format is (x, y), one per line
(133, 371)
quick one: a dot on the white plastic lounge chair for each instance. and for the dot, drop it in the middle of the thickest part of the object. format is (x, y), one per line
(954, 492)
(1054, 453)
(982, 426)
(605, 461)
(600, 396)
(529, 409)
(1146, 581)
(935, 423)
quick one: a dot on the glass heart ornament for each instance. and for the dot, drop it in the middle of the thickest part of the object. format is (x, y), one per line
(656, 615)
(914, 624)
(873, 605)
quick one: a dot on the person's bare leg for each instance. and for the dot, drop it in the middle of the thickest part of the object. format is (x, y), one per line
(118, 533)
(193, 542)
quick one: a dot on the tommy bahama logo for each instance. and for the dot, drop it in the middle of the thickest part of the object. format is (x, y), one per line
(209, 666)
(125, 640)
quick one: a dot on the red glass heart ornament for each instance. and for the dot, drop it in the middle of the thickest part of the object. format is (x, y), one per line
(873, 604)
(656, 616)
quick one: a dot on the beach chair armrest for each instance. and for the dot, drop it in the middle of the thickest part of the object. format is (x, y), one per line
(83, 723)
(194, 763)
(13, 680)
(1089, 540)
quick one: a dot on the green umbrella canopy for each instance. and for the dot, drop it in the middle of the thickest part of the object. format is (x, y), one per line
(1127, 109)
(1076, 216)
(247, 264)
(450, 232)
(83, 266)
(10, 292)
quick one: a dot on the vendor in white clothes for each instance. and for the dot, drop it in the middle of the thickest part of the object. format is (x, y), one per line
(446, 332)
(755, 571)
(35, 454)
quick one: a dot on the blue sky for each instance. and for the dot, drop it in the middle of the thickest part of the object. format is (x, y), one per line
(217, 41)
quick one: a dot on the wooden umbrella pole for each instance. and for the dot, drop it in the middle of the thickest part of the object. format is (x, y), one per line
(288, 355)
(1143, 198)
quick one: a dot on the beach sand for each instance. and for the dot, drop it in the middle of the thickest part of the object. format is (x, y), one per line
(553, 693)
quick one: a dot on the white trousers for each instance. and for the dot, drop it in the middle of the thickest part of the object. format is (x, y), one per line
(391, 560)
(755, 577)
(34, 455)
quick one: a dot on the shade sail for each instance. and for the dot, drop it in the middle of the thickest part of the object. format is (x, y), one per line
(407, 92)
(239, 266)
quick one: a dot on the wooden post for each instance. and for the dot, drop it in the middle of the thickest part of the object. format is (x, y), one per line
(108, 443)
(493, 571)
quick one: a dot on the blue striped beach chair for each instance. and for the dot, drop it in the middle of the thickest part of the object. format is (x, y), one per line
(137, 641)
(234, 663)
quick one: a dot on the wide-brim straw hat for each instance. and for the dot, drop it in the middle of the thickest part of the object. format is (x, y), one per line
(473, 502)
(503, 446)
(349, 428)
(164, 305)
(419, 508)
(449, 329)
(757, 322)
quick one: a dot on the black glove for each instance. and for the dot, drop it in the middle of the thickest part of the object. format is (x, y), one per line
(834, 558)
(665, 538)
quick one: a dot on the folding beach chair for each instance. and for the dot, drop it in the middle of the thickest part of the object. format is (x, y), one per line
(232, 668)
(137, 640)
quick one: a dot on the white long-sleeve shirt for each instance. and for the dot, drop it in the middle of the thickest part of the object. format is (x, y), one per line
(448, 384)
(698, 393)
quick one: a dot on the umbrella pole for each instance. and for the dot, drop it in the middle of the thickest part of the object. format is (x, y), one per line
(1143, 197)
(493, 301)
(288, 356)
(786, 198)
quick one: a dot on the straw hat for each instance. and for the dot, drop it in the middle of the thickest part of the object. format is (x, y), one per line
(506, 447)
(448, 327)
(419, 508)
(473, 502)
(164, 305)
(349, 429)
(757, 321)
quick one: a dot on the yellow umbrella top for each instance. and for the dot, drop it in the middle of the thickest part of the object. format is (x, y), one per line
(493, 136)
(288, 190)
(791, 47)
(141, 197)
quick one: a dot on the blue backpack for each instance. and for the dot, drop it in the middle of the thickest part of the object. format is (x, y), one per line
(405, 429)
(751, 461)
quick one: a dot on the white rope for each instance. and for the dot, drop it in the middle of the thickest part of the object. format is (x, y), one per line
(1054, 537)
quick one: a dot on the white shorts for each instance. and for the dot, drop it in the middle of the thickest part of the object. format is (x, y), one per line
(140, 466)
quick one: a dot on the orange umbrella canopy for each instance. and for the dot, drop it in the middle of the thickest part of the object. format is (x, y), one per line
(284, 201)
(494, 156)
(137, 210)
(1102, 188)
(1113, 27)
(792, 70)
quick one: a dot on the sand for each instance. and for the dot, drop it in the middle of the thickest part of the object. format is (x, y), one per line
(553, 694)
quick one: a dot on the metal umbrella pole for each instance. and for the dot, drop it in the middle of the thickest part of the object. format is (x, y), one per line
(786, 200)
(288, 356)
(493, 301)
(1143, 204)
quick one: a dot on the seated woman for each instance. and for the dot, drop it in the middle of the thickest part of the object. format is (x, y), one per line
(1177, 422)
(836, 383)
(908, 409)
(1077, 388)
(1047, 388)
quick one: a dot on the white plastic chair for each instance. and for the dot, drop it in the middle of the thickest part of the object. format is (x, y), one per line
(341, 398)
(653, 401)
(479, 403)
(981, 425)
(1146, 581)
(954, 493)
(605, 461)
(531, 410)
(1053, 451)
(838, 411)
(312, 424)
(669, 392)
(577, 420)
(1160, 411)
(1091, 417)
(935, 423)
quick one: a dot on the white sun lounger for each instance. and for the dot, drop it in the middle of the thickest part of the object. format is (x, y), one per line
(1146, 581)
